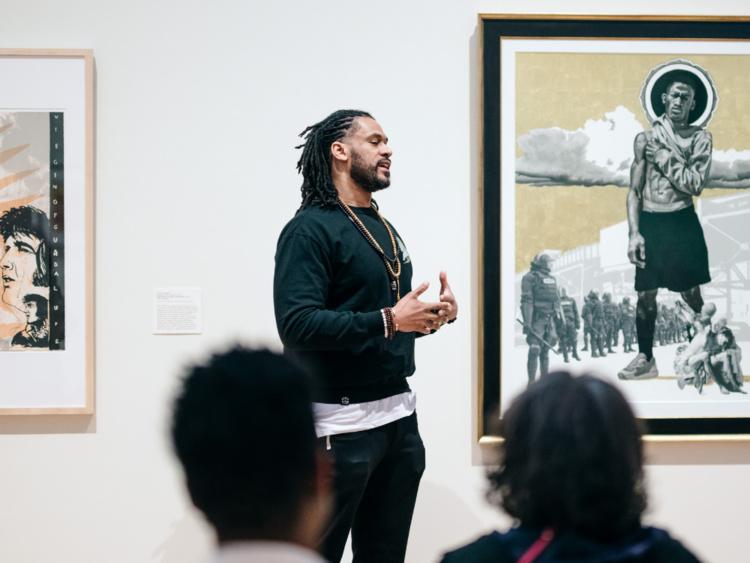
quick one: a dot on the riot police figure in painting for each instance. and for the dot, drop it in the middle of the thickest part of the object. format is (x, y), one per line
(627, 322)
(569, 324)
(540, 304)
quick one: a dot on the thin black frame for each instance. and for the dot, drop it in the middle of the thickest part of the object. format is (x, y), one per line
(492, 28)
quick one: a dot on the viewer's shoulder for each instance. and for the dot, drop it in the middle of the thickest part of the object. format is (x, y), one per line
(670, 550)
(485, 549)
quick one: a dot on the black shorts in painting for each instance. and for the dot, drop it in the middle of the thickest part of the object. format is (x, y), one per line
(676, 253)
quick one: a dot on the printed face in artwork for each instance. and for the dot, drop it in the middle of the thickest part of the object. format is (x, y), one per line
(678, 101)
(31, 312)
(19, 267)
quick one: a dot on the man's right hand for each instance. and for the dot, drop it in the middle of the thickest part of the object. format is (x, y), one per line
(413, 315)
(637, 250)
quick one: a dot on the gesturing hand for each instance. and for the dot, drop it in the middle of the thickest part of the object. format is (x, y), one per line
(446, 296)
(413, 315)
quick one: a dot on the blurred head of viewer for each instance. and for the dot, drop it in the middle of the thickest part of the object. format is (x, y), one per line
(242, 428)
(571, 476)
(572, 459)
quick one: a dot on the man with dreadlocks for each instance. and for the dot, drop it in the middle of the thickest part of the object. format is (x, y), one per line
(346, 310)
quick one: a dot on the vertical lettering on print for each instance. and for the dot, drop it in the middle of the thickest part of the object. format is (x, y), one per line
(57, 233)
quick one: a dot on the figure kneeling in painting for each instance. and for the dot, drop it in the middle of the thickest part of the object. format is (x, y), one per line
(712, 354)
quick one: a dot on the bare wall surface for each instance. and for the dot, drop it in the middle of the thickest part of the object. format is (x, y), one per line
(198, 109)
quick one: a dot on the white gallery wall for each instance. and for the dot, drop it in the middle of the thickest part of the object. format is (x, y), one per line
(198, 107)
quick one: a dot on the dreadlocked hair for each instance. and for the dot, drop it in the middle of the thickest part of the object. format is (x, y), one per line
(315, 162)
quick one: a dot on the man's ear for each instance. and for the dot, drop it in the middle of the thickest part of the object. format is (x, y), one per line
(40, 277)
(339, 151)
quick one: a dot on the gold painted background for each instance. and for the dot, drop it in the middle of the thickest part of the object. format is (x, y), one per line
(566, 89)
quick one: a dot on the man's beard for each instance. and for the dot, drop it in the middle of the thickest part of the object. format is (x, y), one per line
(367, 177)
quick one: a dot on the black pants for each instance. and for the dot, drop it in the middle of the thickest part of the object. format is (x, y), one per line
(376, 477)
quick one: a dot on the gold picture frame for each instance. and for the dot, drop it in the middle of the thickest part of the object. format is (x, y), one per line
(539, 51)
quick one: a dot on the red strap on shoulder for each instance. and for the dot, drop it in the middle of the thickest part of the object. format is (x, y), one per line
(536, 548)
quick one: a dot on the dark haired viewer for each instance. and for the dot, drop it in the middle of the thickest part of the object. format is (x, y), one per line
(345, 308)
(572, 476)
(243, 430)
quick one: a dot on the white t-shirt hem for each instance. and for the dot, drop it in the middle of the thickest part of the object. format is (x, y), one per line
(332, 419)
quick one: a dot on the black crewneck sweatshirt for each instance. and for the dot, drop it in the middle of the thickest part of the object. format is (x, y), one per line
(329, 288)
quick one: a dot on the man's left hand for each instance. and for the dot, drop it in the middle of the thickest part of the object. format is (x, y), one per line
(446, 296)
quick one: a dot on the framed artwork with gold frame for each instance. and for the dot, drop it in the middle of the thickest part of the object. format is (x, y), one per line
(564, 100)
(46, 229)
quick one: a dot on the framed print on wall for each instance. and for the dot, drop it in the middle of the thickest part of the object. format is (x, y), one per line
(46, 228)
(583, 116)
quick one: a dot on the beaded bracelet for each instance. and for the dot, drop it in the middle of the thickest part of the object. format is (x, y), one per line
(390, 323)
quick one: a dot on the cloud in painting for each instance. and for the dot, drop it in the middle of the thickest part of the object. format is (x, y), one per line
(730, 169)
(600, 154)
(597, 154)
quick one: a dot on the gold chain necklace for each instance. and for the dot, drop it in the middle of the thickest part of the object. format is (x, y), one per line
(393, 266)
